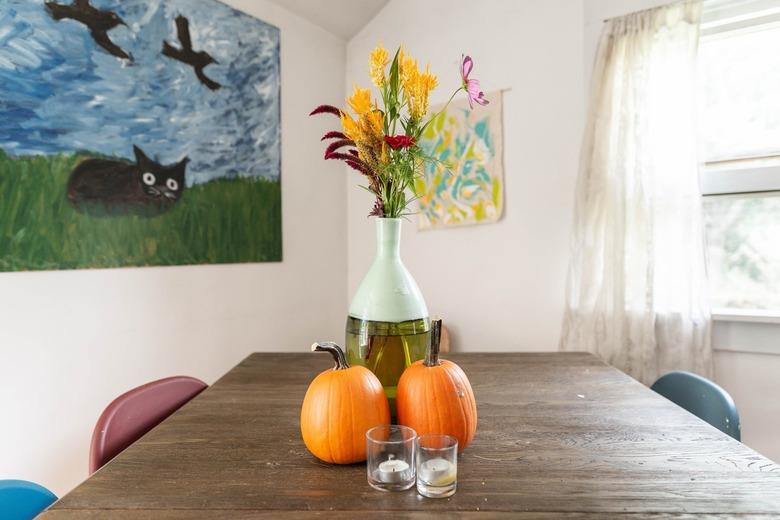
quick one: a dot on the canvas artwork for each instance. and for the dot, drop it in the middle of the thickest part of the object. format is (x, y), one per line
(466, 183)
(137, 132)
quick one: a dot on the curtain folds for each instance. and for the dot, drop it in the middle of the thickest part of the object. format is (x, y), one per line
(637, 290)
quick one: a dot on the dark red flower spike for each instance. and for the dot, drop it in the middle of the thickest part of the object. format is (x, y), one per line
(333, 135)
(335, 145)
(326, 109)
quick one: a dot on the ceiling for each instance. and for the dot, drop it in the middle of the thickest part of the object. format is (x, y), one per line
(344, 18)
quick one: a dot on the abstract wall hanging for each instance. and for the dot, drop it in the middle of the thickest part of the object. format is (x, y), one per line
(137, 132)
(466, 186)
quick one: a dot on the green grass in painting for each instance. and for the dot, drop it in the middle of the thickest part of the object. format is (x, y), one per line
(222, 221)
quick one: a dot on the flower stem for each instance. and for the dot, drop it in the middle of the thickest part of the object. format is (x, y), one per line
(434, 116)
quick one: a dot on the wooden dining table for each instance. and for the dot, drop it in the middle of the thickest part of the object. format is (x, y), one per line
(560, 435)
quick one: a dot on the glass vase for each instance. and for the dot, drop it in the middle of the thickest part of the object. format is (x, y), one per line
(388, 327)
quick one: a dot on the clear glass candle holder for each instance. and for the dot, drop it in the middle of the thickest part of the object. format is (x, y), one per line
(437, 465)
(390, 457)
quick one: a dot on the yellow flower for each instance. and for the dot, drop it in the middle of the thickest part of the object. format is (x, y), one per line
(360, 100)
(367, 132)
(428, 81)
(408, 71)
(420, 90)
(377, 64)
(375, 123)
(416, 85)
(351, 127)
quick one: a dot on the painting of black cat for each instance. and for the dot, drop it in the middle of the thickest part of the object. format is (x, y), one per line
(82, 81)
(109, 187)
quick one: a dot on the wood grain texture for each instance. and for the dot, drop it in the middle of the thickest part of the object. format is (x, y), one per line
(560, 435)
(233, 514)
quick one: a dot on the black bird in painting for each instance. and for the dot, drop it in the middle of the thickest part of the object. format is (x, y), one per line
(98, 22)
(198, 60)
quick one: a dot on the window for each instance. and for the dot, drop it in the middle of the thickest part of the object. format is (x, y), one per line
(739, 65)
(743, 235)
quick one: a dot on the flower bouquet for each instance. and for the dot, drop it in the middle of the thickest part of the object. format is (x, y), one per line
(381, 141)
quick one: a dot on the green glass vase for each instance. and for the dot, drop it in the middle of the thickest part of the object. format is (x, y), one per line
(388, 327)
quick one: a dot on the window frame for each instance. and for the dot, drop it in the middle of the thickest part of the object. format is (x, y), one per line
(720, 184)
(730, 16)
(740, 176)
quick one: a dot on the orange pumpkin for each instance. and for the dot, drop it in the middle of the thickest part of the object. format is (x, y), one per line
(435, 396)
(340, 406)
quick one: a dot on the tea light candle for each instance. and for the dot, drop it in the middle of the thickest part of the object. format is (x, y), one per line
(393, 471)
(438, 472)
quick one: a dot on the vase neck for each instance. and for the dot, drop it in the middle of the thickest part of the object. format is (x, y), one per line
(388, 238)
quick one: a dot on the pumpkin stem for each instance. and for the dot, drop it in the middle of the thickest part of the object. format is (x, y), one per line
(432, 354)
(335, 351)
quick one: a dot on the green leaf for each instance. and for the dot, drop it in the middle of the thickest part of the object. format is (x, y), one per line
(394, 77)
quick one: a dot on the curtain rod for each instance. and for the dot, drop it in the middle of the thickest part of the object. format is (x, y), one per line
(646, 10)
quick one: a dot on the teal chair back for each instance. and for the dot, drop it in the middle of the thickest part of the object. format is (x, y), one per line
(22, 500)
(702, 398)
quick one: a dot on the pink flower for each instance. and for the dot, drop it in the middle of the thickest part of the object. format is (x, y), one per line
(471, 86)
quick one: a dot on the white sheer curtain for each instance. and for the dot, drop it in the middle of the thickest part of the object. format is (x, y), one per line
(637, 289)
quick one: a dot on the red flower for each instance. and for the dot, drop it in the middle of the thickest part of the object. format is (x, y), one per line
(399, 141)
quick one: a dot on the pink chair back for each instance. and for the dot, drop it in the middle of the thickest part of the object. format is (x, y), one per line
(131, 415)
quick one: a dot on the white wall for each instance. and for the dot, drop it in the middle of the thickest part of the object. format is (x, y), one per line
(71, 341)
(503, 284)
(753, 382)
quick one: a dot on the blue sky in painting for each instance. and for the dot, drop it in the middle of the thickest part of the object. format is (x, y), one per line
(60, 92)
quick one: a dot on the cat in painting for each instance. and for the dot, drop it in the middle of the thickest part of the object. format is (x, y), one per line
(110, 187)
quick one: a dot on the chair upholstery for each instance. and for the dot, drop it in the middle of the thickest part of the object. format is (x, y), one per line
(131, 415)
(23, 500)
(702, 398)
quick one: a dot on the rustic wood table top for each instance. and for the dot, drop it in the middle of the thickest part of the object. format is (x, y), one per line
(560, 435)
